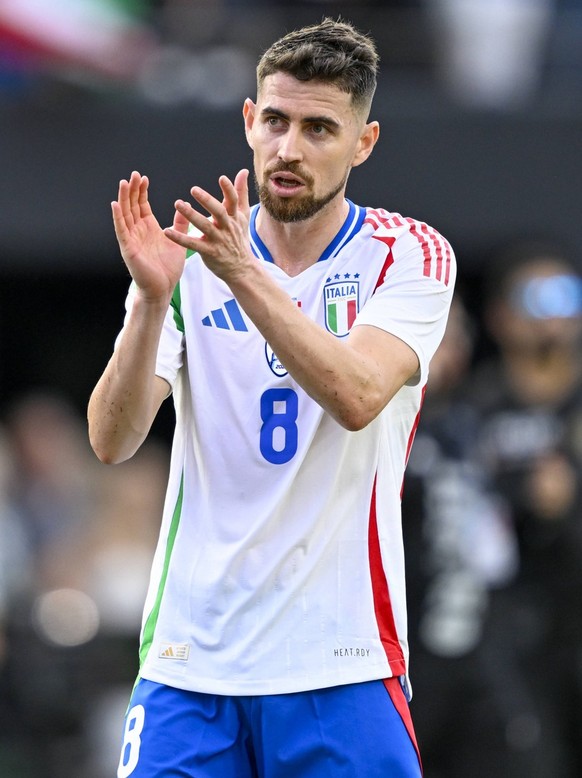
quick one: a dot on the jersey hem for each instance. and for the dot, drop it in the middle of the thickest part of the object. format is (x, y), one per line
(276, 686)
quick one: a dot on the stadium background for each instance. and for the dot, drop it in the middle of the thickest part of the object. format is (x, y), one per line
(480, 105)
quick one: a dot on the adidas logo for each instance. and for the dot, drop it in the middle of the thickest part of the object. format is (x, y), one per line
(179, 651)
(228, 317)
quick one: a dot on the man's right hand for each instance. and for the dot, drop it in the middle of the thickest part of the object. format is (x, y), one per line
(154, 261)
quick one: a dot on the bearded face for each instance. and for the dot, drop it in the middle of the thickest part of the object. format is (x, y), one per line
(306, 136)
(297, 207)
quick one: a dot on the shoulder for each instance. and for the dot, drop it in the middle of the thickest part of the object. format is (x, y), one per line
(413, 243)
(398, 226)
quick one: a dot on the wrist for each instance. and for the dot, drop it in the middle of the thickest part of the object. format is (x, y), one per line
(148, 301)
(247, 279)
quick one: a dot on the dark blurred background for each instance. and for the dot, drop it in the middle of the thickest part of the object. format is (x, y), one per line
(480, 105)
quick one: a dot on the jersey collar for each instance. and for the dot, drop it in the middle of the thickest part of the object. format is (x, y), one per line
(349, 228)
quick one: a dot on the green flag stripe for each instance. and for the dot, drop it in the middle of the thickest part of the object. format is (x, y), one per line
(332, 316)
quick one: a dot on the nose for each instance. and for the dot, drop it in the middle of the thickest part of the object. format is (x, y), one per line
(290, 146)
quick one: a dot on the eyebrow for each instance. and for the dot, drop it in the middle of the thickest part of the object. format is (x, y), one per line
(268, 111)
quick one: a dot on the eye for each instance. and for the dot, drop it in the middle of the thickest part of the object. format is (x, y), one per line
(318, 129)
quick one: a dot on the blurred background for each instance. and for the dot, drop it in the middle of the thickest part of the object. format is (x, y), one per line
(480, 104)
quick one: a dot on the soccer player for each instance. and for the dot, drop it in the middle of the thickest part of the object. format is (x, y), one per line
(295, 337)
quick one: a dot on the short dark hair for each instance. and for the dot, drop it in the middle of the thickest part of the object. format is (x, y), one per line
(331, 51)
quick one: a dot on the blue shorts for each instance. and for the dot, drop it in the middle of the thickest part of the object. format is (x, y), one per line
(355, 731)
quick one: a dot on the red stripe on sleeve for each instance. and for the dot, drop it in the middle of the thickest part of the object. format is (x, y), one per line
(424, 244)
(436, 250)
(434, 237)
(448, 262)
(387, 262)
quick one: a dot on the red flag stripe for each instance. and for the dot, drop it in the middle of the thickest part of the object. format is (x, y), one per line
(352, 313)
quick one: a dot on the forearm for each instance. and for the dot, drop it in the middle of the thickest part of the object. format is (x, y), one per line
(127, 397)
(351, 384)
(352, 378)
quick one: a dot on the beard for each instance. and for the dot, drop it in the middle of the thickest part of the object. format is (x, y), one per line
(290, 209)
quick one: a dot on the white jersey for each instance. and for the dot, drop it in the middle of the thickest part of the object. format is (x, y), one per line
(280, 564)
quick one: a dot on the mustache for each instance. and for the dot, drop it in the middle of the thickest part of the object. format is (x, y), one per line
(289, 167)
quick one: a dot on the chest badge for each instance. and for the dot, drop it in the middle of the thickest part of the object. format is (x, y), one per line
(342, 302)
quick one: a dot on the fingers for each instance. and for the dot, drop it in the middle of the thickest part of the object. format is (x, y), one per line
(235, 198)
(119, 222)
(180, 223)
(241, 185)
(134, 194)
(133, 202)
(142, 197)
(122, 205)
(133, 198)
(177, 235)
(230, 196)
(220, 211)
(123, 213)
(235, 202)
(186, 213)
(132, 213)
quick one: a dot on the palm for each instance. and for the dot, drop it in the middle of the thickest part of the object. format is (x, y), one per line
(154, 261)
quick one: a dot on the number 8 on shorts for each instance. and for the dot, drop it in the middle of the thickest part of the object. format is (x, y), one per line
(131, 741)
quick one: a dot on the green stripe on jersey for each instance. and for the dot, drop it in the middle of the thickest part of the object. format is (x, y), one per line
(152, 620)
(176, 303)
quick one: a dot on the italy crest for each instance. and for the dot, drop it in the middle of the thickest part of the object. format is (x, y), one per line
(341, 301)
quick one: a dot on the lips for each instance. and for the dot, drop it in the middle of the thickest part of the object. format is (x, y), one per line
(286, 183)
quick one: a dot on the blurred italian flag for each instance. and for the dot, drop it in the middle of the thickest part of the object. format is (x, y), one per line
(104, 38)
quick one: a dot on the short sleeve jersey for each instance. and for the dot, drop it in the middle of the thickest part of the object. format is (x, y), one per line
(280, 563)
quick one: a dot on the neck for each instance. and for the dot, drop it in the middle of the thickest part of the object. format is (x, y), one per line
(296, 246)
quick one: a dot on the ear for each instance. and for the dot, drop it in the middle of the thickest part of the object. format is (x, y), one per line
(366, 143)
(248, 111)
